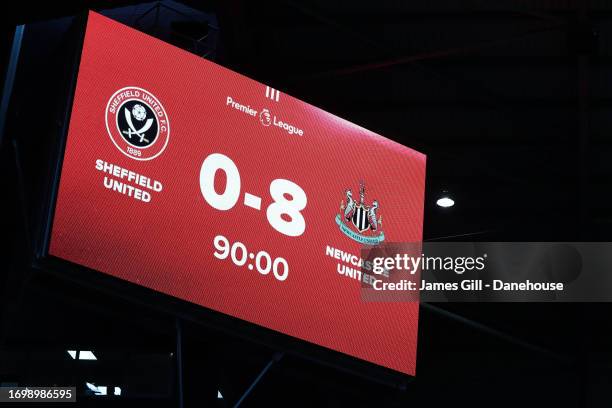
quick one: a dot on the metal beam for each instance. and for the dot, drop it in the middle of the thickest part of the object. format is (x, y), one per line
(276, 358)
(498, 334)
(179, 362)
(9, 81)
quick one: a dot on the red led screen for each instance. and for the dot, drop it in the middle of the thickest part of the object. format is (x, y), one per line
(190, 179)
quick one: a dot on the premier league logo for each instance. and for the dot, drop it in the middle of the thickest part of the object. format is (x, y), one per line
(137, 123)
(358, 220)
(265, 118)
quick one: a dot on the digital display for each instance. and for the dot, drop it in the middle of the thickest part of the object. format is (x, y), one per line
(195, 181)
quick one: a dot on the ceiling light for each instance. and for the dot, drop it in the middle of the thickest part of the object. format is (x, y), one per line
(86, 355)
(445, 202)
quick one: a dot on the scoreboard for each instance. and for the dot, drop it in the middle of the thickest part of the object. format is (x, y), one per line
(187, 178)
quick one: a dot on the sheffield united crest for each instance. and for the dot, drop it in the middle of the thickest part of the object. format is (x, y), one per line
(360, 221)
(137, 123)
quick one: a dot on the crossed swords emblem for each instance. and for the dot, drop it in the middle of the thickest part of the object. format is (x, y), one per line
(137, 132)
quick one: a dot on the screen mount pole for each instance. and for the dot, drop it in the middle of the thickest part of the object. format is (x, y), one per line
(275, 358)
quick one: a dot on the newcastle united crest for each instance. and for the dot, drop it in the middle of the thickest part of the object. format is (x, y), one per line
(137, 123)
(360, 221)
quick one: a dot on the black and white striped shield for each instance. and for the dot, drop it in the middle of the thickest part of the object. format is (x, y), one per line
(360, 218)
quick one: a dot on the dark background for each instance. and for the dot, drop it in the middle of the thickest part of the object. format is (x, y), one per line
(510, 100)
